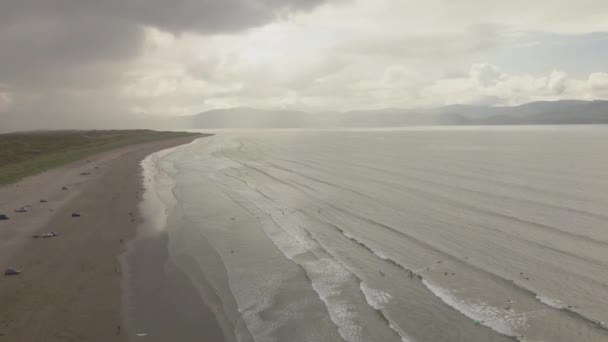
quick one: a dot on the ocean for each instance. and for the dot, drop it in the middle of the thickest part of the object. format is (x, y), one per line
(420, 234)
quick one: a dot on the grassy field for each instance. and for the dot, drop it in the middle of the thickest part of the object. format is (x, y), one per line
(25, 154)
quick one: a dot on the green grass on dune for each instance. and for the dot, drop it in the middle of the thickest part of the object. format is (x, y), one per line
(29, 153)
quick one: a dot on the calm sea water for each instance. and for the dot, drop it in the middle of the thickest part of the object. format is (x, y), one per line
(478, 234)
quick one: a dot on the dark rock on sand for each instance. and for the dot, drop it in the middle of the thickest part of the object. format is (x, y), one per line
(11, 272)
(46, 235)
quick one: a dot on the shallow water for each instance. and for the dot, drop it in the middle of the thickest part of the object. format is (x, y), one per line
(415, 235)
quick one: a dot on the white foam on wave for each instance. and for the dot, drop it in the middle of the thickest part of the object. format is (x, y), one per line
(554, 303)
(380, 255)
(497, 319)
(251, 307)
(375, 251)
(327, 275)
(378, 298)
(375, 298)
(349, 236)
(399, 332)
(327, 282)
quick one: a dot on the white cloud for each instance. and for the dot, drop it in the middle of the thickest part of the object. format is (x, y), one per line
(486, 75)
(557, 82)
(514, 89)
(370, 54)
(349, 54)
(599, 81)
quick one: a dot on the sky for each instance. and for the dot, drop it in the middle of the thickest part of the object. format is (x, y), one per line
(112, 58)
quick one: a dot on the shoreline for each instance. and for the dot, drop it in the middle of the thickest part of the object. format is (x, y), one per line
(71, 286)
(171, 309)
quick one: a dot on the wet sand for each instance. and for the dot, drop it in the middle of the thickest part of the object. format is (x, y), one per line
(176, 311)
(71, 286)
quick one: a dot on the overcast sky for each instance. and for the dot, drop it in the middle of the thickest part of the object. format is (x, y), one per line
(161, 57)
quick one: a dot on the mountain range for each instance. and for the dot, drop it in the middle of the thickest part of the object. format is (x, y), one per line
(535, 113)
(564, 112)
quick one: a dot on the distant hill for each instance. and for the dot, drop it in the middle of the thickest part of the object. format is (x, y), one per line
(536, 113)
(564, 112)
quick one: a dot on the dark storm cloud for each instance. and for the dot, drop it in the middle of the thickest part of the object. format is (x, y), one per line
(40, 39)
(34, 48)
(203, 16)
(210, 16)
